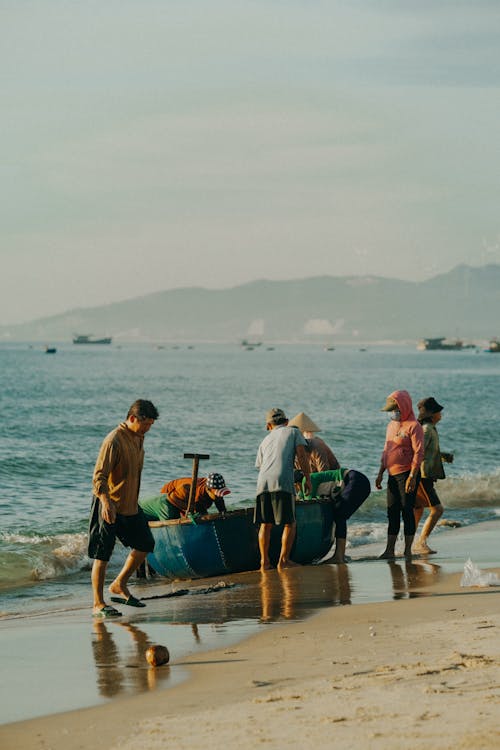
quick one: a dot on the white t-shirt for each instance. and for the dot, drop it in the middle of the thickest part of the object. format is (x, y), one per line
(275, 459)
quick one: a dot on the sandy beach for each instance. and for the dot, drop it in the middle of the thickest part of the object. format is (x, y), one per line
(421, 669)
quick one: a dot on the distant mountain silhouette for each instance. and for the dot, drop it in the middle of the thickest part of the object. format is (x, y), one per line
(463, 303)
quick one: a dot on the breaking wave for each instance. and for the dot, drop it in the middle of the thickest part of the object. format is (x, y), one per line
(25, 558)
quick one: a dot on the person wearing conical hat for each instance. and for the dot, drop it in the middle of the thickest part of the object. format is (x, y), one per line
(321, 457)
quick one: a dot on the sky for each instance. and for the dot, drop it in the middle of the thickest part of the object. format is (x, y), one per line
(156, 144)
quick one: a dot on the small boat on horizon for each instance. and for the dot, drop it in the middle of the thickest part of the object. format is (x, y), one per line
(250, 345)
(80, 338)
(441, 344)
(50, 350)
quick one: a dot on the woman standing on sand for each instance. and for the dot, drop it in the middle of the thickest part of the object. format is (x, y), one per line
(402, 455)
(429, 414)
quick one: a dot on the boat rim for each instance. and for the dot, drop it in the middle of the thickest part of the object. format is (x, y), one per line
(210, 517)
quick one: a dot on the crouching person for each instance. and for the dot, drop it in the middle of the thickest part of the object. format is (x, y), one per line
(347, 489)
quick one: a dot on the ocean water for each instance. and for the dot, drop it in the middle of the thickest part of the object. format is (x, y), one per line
(212, 399)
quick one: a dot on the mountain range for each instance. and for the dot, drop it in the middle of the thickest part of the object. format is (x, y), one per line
(464, 303)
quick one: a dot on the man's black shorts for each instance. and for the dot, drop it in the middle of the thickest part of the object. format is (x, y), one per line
(274, 507)
(132, 531)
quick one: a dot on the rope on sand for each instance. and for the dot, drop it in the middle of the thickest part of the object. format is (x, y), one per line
(183, 592)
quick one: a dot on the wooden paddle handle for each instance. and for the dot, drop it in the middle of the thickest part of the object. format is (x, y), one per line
(192, 491)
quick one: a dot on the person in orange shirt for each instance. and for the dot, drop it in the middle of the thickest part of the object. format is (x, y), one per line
(174, 498)
(402, 455)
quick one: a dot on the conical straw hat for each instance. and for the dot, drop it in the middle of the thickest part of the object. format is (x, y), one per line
(304, 423)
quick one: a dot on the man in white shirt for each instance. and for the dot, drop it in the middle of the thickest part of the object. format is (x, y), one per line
(275, 503)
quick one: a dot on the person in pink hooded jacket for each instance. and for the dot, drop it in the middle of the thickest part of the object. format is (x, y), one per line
(402, 455)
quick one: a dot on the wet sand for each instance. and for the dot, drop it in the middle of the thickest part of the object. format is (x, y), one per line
(414, 662)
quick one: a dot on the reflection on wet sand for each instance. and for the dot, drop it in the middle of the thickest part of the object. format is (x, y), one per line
(269, 596)
(131, 674)
(277, 595)
(195, 632)
(106, 657)
(340, 574)
(417, 574)
(250, 596)
(284, 595)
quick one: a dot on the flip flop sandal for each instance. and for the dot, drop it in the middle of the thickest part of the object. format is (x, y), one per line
(107, 611)
(130, 602)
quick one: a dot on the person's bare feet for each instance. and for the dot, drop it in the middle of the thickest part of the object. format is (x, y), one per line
(118, 590)
(283, 564)
(422, 548)
(387, 555)
(107, 611)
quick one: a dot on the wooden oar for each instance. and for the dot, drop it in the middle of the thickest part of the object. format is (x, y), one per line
(197, 457)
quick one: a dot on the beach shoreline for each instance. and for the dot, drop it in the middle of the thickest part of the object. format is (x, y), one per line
(315, 678)
(434, 649)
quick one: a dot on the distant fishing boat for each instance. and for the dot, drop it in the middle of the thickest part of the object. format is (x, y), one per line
(494, 346)
(248, 345)
(441, 343)
(50, 350)
(217, 544)
(80, 338)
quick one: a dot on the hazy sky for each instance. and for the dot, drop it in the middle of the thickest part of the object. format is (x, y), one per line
(153, 144)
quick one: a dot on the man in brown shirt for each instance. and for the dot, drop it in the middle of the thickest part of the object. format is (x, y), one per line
(115, 511)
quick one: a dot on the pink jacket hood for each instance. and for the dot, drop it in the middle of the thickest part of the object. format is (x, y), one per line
(404, 440)
(403, 400)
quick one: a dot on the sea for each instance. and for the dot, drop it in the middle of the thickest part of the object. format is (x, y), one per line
(212, 399)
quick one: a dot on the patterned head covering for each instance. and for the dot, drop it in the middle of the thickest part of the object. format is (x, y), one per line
(216, 482)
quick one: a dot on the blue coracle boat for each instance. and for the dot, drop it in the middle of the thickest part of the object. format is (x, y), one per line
(218, 544)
